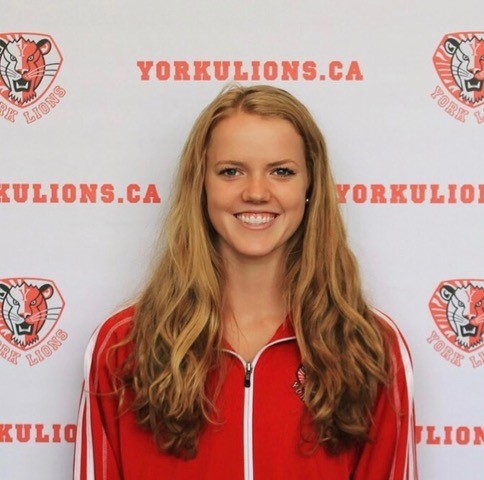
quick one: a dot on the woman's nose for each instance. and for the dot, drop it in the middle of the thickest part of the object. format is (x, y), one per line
(256, 190)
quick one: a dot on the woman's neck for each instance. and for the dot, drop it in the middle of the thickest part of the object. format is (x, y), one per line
(254, 303)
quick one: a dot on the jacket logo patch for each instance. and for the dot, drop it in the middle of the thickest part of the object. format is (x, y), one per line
(298, 385)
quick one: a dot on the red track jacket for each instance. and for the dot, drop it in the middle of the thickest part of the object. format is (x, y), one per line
(259, 437)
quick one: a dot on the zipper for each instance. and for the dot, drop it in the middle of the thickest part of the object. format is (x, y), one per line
(248, 372)
(248, 436)
(248, 406)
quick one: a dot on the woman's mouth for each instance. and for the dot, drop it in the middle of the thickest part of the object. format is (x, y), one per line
(256, 218)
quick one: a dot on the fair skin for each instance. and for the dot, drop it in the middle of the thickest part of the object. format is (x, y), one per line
(256, 183)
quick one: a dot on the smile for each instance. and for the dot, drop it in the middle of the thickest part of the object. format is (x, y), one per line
(255, 218)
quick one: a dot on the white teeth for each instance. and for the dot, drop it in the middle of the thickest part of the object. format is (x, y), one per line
(254, 219)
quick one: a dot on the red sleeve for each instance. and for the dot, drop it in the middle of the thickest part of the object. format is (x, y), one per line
(96, 453)
(390, 454)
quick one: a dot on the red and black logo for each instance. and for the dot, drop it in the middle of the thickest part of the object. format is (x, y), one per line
(457, 307)
(300, 382)
(29, 311)
(459, 61)
(29, 64)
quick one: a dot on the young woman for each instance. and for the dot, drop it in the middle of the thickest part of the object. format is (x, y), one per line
(251, 353)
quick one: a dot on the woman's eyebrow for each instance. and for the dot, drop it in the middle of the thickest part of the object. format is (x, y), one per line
(281, 162)
(239, 164)
(229, 162)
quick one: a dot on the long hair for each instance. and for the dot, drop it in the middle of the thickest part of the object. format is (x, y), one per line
(177, 330)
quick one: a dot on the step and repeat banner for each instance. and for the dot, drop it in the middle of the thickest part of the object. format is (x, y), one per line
(96, 100)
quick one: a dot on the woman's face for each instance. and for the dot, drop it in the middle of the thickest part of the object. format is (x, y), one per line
(256, 182)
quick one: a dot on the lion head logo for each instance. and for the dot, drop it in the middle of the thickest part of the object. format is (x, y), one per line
(26, 307)
(26, 68)
(459, 61)
(458, 309)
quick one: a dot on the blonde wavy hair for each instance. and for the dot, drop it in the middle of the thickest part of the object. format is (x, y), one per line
(177, 330)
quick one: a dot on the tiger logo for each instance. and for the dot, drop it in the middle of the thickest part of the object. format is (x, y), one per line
(465, 313)
(459, 61)
(468, 66)
(25, 311)
(24, 67)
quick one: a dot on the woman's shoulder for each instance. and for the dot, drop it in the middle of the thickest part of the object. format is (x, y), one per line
(400, 360)
(392, 335)
(113, 332)
(116, 328)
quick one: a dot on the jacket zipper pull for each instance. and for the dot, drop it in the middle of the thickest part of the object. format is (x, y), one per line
(248, 371)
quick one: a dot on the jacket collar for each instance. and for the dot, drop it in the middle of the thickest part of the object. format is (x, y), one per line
(285, 331)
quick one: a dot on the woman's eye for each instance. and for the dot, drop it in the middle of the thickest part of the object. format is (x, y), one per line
(229, 172)
(284, 172)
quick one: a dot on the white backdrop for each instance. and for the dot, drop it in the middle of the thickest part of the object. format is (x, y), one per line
(107, 124)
